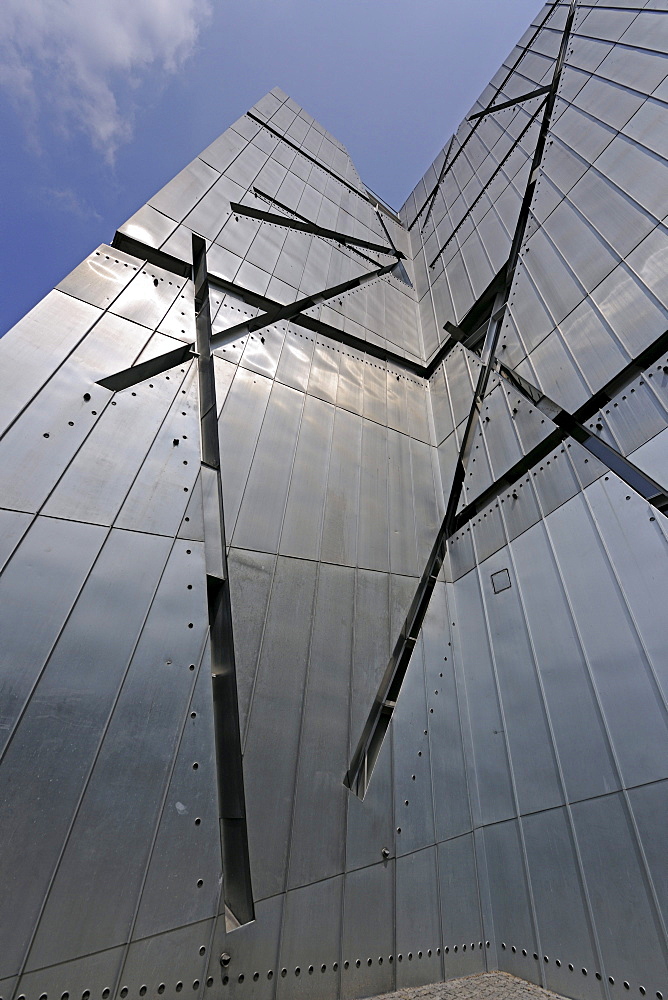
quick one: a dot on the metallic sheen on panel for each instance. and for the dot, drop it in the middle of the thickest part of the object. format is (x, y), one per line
(441, 572)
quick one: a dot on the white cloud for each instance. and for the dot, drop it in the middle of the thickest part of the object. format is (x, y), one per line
(66, 200)
(75, 60)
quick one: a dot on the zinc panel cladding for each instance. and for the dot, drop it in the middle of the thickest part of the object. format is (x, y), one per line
(515, 812)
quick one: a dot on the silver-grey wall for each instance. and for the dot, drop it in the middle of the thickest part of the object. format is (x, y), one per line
(521, 792)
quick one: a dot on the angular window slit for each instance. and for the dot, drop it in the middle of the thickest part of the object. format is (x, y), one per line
(368, 748)
(306, 226)
(494, 174)
(447, 166)
(238, 893)
(303, 152)
(509, 104)
(238, 890)
(275, 313)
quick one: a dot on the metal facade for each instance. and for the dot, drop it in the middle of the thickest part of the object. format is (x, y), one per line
(515, 660)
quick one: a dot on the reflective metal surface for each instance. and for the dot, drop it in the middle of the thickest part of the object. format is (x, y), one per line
(515, 816)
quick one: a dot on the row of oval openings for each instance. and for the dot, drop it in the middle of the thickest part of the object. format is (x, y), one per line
(585, 972)
(143, 990)
(357, 964)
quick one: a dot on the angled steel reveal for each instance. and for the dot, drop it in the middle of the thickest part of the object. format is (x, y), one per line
(327, 510)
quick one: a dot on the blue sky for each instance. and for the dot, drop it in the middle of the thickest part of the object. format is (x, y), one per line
(102, 102)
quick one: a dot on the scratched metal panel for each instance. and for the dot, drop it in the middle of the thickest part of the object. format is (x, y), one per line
(101, 474)
(306, 497)
(646, 261)
(237, 234)
(192, 524)
(633, 542)
(403, 551)
(350, 388)
(375, 392)
(223, 150)
(39, 446)
(248, 163)
(290, 265)
(492, 775)
(628, 306)
(38, 344)
(101, 277)
(81, 977)
(253, 951)
(498, 430)
(142, 731)
(488, 532)
(372, 539)
(186, 848)
(452, 813)
(526, 727)
(417, 919)
(13, 526)
(611, 642)
(578, 727)
(295, 361)
(479, 475)
(562, 905)
(370, 823)
(159, 495)
(212, 211)
(324, 374)
(461, 924)
(440, 406)
(266, 247)
(318, 825)
(149, 226)
(341, 514)
(555, 480)
(553, 369)
(648, 803)
(38, 590)
(425, 502)
(182, 193)
(239, 427)
(364, 938)
(148, 298)
(615, 871)
(59, 765)
(460, 552)
(413, 810)
(459, 384)
(261, 509)
(418, 411)
(179, 321)
(511, 902)
(272, 741)
(169, 963)
(251, 576)
(311, 941)
(397, 415)
(262, 351)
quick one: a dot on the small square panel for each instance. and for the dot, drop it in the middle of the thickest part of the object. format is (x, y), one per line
(501, 581)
